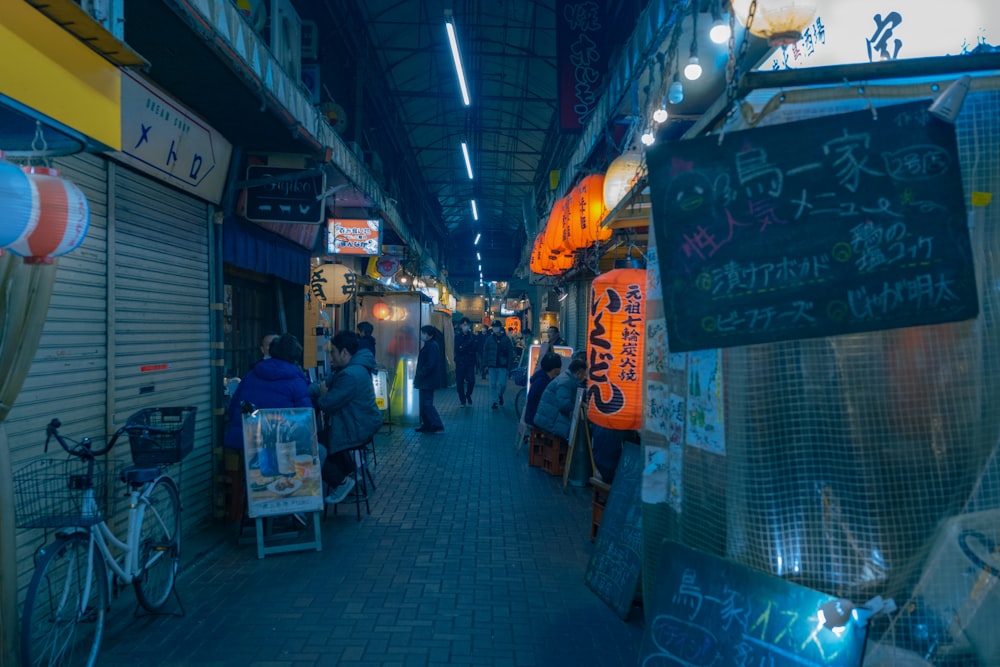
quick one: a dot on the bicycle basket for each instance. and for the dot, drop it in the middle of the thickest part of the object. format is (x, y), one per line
(51, 493)
(149, 449)
(520, 376)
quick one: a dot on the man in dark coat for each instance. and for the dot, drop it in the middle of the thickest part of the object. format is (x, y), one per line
(366, 341)
(548, 368)
(465, 362)
(498, 357)
(429, 376)
(555, 409)
(347, 397)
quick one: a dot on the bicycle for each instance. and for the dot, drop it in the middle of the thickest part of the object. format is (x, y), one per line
(68, 597)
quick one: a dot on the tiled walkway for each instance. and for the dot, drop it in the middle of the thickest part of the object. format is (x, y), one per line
(469, 557)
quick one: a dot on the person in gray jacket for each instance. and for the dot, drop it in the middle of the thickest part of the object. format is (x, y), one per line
(555, 410)
(348, 399)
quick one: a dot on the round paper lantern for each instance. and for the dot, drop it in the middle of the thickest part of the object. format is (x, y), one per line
(63, 218)
(559, 216)
(615, 344)
(18, 204)
(381, 311)
(622, 175)
(780, 22)
(537, 254)
(513, 325)
(333, 283)
(587, 210)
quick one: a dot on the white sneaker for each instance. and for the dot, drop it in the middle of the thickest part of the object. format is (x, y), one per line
(340, 492)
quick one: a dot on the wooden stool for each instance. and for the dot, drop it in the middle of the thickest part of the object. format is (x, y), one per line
(601, 491)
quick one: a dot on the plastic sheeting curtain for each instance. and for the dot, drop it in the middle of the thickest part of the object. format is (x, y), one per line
(25, 290)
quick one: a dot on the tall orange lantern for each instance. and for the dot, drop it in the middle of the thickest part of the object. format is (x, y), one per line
(586, 212)
(537, 254)
(615, 343)
(554, 236)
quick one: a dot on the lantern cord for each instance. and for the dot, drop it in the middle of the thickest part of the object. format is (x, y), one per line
(736, 60)
(40, 147)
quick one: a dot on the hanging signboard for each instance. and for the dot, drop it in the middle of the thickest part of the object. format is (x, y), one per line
(581, 59)
(835, 225)
(282, 462)
(288, 200)
(354, 237)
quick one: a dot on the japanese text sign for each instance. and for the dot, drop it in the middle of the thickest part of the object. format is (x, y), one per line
(581, 59)
(615, 349)
(835, 225)
(355, 237)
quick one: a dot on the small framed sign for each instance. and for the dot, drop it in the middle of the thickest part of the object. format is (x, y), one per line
(355, 237)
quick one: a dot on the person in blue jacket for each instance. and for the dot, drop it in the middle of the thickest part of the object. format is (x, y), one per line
(274, 382)
(548, 369)
(429, 376)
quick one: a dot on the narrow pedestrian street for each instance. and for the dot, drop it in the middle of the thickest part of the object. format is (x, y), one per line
(469, 557)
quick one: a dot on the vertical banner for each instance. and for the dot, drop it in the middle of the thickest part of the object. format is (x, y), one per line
(581, 54)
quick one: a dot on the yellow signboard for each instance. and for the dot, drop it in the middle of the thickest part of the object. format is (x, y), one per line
(50, 71)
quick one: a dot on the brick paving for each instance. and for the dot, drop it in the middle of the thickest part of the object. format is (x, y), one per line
(469, 557)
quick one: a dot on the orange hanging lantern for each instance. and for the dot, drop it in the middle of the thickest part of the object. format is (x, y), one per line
(63, 218)
(513, 325)
(554, 237)
(586, 213)
(537, 255)
(615, 343)
(381, 311)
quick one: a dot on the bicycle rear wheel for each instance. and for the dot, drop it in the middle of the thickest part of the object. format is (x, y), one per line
(519, 400)
(62, 621)
(159, 543)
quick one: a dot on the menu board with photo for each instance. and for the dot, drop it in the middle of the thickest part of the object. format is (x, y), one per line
(282, 462)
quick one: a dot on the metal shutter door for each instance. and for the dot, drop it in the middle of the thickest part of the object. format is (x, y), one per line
(160, 304)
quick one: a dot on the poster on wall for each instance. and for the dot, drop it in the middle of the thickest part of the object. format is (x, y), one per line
(281, 462)
(704, 422)
(354, 237)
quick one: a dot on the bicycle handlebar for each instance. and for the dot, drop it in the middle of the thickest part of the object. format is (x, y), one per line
(84, 448)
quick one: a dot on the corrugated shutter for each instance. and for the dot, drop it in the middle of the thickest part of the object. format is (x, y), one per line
(68, 375)
(161, 344)
(574, 315)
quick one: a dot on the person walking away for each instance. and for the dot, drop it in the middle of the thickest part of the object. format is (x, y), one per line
(555, 409)
(465, 362)
(347, 396)
(548, 368)
(365, 339)
(428, 377)
(498, 357)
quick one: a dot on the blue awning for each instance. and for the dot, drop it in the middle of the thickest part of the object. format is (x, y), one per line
(250, 247)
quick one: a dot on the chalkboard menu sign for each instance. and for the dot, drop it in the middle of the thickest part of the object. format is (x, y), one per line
(296, 200)
(829, 226)
(614, 568)
(709, 611)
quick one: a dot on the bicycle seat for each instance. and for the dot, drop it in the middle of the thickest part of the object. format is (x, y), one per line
(134, 475)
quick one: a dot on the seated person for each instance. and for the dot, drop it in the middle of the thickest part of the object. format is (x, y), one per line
(548, 368)
(555, 409)
(348, 399)
(274, 382)
(607, 446)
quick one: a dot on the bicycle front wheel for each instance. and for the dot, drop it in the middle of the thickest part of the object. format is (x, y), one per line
(159, 543)
(519, 400)
(63, 617)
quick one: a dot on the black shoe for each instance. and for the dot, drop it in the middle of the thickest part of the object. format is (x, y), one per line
(423, 429)
(501, 400)
(495, 406)
(435, 430)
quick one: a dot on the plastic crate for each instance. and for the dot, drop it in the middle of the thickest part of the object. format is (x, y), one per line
(51, 493)
(149, 448)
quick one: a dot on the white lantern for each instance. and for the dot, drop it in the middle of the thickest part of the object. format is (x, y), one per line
(780, 22)
(621, 176)
(333, 283)
(63, 218)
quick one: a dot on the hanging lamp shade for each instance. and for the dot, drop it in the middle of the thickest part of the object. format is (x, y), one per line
(554, 237)
(63, 218)
(586, 213)
(333, 283)
(780, 22)
(621, 177)
(18, 204)
(615, 348)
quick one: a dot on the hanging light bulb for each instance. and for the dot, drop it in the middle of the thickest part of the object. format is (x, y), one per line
(660, 115)
(720, 31)
(647, 138)
(692, 70)
(676, 92)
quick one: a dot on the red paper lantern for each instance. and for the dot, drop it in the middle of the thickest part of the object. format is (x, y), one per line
(554, 229)
(615, 344)
(586, 207)
(381, 311)
(63, 218)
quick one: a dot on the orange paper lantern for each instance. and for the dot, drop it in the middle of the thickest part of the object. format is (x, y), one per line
(555, 238)
(615, 343)
(381, 311)
(586, 207)
(513, 325)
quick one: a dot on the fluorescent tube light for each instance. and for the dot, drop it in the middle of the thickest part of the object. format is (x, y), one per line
(475, 211)
(476, 242)
(478, 257)
(457, 57)
(468, 163)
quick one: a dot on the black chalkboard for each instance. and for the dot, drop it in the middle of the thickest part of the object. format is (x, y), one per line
(829, 226)
(296, 200)
(614, 568)
(709, 611)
